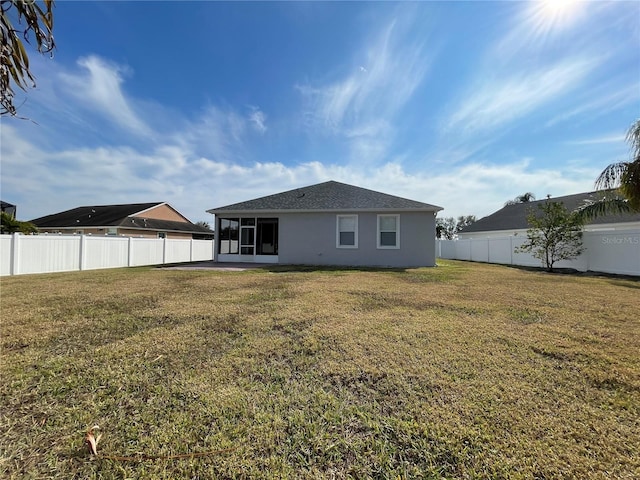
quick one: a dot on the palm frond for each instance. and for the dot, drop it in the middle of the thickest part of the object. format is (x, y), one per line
(611, 177)
(633, 138)
(630, 185)
(605, 206)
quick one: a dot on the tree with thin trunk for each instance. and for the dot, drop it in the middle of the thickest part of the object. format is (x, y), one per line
(621, 182)
(554, 234)
(447, 228)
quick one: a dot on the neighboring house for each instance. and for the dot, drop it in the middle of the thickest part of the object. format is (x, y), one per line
(329, 223)
(8, 208)
(153, 220)
(511, 220)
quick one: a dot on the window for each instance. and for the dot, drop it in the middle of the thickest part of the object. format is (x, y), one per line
(112, 231)
(388, 231)
(347, 231)
(162, 235)
(228, 238)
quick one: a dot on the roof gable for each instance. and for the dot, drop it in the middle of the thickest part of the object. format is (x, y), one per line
(327, 196)
(514, 217)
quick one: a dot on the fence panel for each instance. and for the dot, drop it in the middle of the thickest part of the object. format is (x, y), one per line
(63, 253)
(105, 252)
(523, 258)
(463, 249)
(480, 250)
(44, 254)
(500, 250)
(177, 251)
(615, 251)
(5, 254)
(202, 250)
(146, 251)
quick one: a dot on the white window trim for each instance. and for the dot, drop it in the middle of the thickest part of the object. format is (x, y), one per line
(355, 245)
(388, 247)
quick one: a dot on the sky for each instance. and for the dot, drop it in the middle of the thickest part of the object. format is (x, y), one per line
(464, 105)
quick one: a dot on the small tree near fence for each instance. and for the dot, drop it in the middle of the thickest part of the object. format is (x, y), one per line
(554, 234)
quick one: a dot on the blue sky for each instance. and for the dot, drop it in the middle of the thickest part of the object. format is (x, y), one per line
(201, 104)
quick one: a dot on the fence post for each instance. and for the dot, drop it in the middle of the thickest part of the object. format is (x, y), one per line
(164, 250)
(191, 250)
(15, 254)
(83, 252)
(130, 252)
(511, 250)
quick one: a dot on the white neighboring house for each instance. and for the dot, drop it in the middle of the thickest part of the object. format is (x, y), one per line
(511, 220)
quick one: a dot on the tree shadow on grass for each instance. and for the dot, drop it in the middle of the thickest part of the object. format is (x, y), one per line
(616, 278)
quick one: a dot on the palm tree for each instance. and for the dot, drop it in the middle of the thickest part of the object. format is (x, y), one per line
(622, 182)
(21, 22)
(524, 198)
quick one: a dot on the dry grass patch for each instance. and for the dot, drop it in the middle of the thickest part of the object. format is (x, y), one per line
(463, 371)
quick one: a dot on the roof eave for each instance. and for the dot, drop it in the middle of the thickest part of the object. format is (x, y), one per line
(215, 211)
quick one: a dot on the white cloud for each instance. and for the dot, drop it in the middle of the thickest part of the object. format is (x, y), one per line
(498, 101)
(216, 132)
(362, 105)
(258, 119)
(612, 138)
(600, 101)
(395, 69)
(99, 86)
(193, 184)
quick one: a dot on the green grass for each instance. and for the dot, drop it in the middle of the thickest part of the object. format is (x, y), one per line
(462, 371)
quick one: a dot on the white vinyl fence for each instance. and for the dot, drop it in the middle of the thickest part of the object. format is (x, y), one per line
(21, 254)
(608, 252)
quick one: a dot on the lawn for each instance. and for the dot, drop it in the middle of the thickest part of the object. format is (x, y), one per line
(460, 371)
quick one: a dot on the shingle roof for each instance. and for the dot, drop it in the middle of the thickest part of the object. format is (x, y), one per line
(114, 216)
(514, 217)
(327, 196)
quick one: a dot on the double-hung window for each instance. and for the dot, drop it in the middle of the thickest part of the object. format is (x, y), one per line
(388, 231)
(347, 231)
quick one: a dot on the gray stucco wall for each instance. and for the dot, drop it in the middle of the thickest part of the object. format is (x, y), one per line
(310, 238)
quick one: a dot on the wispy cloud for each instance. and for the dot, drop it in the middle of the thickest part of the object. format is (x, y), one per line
(599, 101)
(217, 132)
(361, 106)
(499, 101)
(394, 68)
(613, 138)
(258, 119)
(99, 86)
